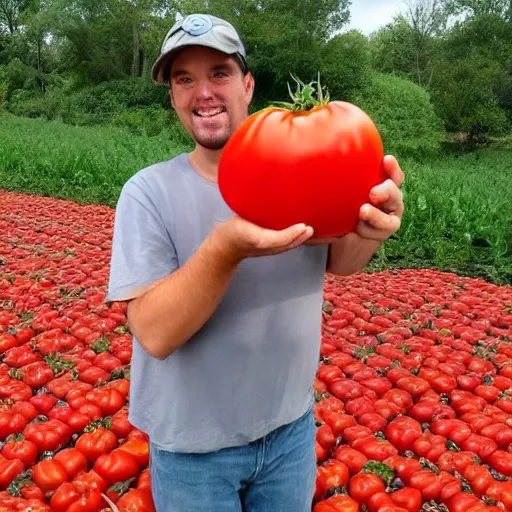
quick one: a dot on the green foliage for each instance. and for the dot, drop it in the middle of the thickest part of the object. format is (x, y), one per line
(464, 94)
(471, 86)
(457, 215)
(14, 76)
(87, 164)
(345, 65)
(404, 115)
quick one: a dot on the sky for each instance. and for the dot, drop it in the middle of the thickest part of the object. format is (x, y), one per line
(370, 15)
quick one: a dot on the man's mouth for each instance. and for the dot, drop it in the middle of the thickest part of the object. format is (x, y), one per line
(211, 112)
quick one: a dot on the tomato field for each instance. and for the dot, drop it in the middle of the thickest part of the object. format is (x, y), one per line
(413, 389)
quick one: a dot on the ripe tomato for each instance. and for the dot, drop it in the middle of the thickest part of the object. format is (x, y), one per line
(353, 459)
(73, 461)
(337, 503)
(402, 432)
(49, 474)
(9, 470)
(20, 448)
(48, 435)
(481, 446)
(96, 442)
(325, 437)
(501, 461)
(408, 498)
(302, 185)
(136, 500)
(118, 466)
(109, 400)
(364, 485)
(138, 449)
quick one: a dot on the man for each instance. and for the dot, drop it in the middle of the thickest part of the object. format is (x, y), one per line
(225, 315)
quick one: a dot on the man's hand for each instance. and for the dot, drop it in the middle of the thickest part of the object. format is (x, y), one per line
(237, 239)
(382, 217)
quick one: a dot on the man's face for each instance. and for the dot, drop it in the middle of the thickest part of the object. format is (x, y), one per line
(210, 94)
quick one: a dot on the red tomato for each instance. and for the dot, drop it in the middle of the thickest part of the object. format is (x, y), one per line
(49, 474)
(20, 448)
(95, 443)
(73, 461)
(353, 459)
(118, 466)
(364, 485)
(408, 498)
(9, 470)
(402, 432)
(136, 500)
(325, 437)
(325, 167)
(138, 449)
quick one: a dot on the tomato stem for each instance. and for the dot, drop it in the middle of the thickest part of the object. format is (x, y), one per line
(304, 98)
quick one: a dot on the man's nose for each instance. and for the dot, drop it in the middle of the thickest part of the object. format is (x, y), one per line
(204, 89)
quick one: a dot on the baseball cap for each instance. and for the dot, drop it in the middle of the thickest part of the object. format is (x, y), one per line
(203, 30)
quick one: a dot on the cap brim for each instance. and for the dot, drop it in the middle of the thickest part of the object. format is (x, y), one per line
(160, 70)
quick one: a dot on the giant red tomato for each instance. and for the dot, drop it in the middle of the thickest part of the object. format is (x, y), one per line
(314, 164)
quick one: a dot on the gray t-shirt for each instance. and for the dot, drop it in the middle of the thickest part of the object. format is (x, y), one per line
(250, 369)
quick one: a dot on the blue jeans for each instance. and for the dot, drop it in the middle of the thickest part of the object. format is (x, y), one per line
(276, 473)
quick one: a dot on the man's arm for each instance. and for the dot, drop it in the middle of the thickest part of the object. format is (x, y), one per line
(173, 309)
(350, 254)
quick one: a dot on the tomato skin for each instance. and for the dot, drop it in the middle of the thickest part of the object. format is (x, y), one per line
(364, 485)
(482, 446)
(96, 443)
(309, 199)
(325, 437)
(332, 474)
(501, 461)
(353, 459)
(118, 466)
(73, 461)
(138, 449)
(11, 423)
(374, 449)
(402, 432)
(408, 498)
(89, 480)
(339, 422)
(65, 495)
(22, 449)
(9, 469)
(108, 400)
(136, 500)
(49, 474)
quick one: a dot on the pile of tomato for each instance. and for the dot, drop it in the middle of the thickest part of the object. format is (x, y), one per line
(413, 389)
(414, 394)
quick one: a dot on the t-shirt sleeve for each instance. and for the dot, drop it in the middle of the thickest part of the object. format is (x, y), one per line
(142, 249)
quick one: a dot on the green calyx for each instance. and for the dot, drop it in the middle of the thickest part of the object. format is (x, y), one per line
(306, 97)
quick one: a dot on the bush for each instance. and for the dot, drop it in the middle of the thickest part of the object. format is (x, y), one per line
(404, 115)
(345, 65)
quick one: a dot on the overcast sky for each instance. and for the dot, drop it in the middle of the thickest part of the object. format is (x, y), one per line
(369, 15)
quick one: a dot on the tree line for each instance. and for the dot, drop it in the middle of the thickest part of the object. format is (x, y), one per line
(454, 54)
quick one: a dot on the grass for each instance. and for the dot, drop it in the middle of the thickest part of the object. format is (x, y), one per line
(86, 164)
(458, 206)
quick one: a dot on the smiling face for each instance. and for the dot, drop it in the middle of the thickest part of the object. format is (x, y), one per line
(210, 95)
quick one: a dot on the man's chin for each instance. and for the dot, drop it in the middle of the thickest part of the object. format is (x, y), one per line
(211, 144)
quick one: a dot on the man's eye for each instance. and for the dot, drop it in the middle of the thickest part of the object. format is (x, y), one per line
(220, 74)
(184, 80)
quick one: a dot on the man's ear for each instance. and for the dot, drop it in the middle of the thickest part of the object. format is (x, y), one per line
(249, 86)
(170, 96)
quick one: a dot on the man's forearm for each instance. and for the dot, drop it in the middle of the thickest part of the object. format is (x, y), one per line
(350, 254)
(172, 311)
